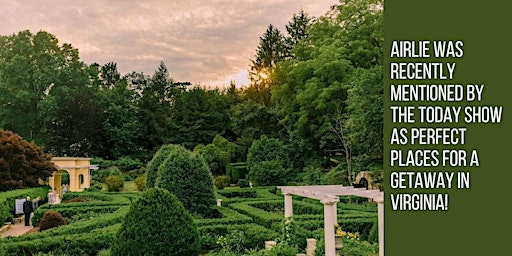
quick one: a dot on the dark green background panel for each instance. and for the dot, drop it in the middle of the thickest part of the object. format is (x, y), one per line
(479, 219)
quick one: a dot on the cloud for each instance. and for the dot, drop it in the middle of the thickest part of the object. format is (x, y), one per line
(207, 42)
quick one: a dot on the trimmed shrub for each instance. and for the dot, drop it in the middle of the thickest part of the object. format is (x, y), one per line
(140, 182)
(101, 174)
(222, 181)
(114, 183)
(158, 159)
(268, 173)
(186, 175)
(236, 171)
(268, 162)
(51, 219)
(243, 183)
(157, 224)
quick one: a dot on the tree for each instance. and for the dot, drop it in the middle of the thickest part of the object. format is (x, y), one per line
(197, 116)
(297, 31)
(157, 224)
(186, 175)
(158, 95)
(32, 68)
(78, 128)
(217, 154)
(120, 104)
(268, 162)
(270, 51)
(159, 157)
(22, 163)
(365, 109)
(250, 120)
(319, 92)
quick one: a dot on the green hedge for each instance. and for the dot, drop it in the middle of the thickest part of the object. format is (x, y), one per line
(259, 216)
(7, 200)
(70, 244)
(98, 222)
(71, 212)
(229, 217)
(234, 195)
(249, 235)
(352, 225)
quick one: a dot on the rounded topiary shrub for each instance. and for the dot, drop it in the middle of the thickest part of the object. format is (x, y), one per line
(266, 153)
(51, 219)
(114, 183)
(222, 181)
(140, 182)
(157, 224)
(158, 159)
(268, 173)
(186, 175)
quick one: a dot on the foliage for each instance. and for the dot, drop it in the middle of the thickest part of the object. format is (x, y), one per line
(250, 120)
(157, 210)
(337, 176)
(101, 174)
(141, 182)
(373, 237)
(158, 94)
(186, 175)
(236, 171)
(77, 124)
(268, 162)
(198, 115)
(217, 154)
(222, 182)
(243, 183)
(312, 176)
(268, 173)
(33, 67)
(126, 164)
(114, 183)
(154, 164)
(51, 219)
(22, 163)
(334, 75)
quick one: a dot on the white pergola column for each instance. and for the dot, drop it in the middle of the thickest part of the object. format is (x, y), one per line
(329, 216)
(335, 213)
(380, 206)
(288, 206)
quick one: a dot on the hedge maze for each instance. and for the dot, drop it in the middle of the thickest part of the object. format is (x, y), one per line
(247, 218)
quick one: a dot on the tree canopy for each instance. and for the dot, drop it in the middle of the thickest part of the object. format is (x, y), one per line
(315, 86)
(22, 163)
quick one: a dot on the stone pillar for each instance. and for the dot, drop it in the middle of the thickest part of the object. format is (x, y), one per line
(310, 247)
(380, 206)
(288, 206)
(330, 250)
(219, 202)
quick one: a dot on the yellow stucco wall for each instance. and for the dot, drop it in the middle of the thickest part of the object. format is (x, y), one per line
(79, 174)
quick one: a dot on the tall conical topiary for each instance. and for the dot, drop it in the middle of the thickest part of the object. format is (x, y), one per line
(158, 159)
(157, 224)
(186, 175)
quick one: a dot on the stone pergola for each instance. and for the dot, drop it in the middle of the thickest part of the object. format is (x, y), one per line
(329, 196)
(79, 173)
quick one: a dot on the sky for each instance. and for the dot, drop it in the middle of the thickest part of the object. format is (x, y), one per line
(207, 43)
